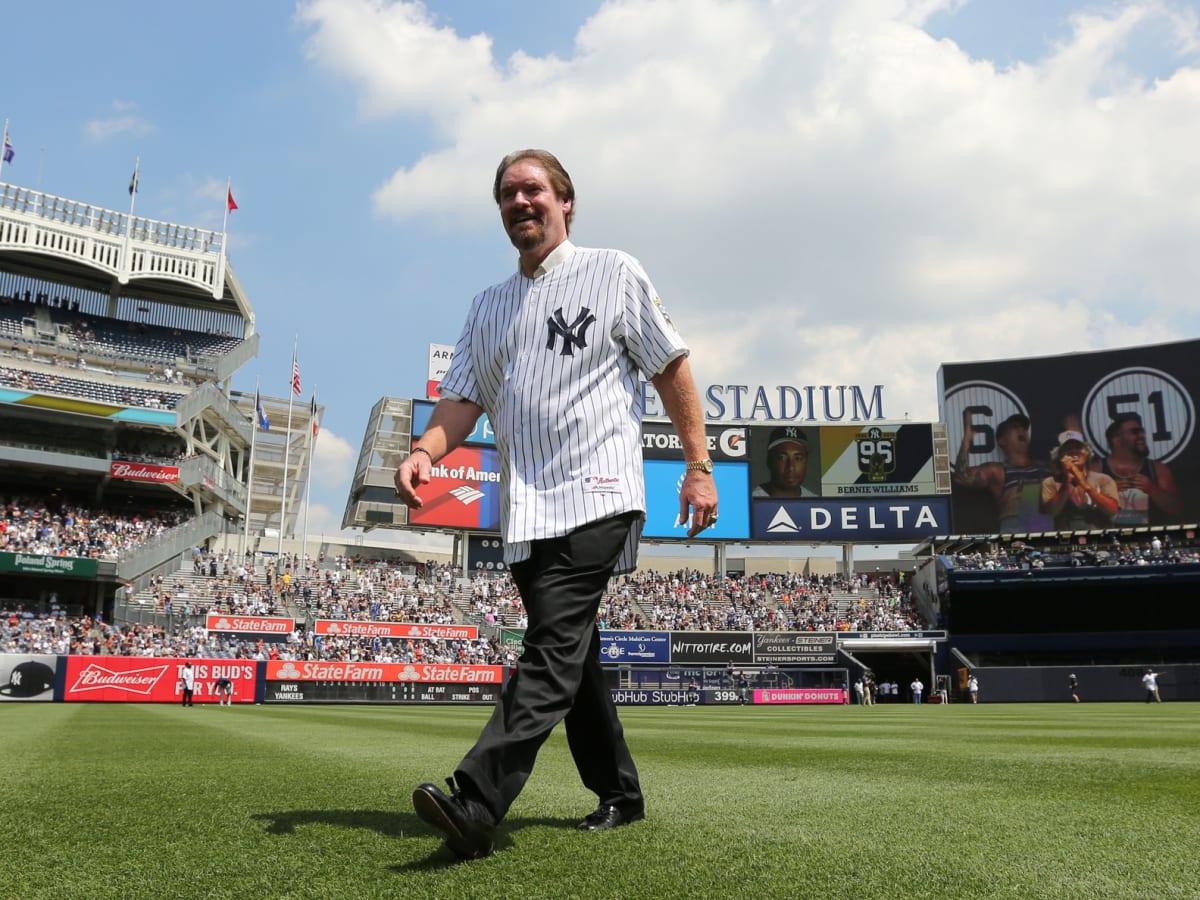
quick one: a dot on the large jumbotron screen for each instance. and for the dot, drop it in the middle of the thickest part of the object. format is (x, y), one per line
(782, 481)
(1133, 410)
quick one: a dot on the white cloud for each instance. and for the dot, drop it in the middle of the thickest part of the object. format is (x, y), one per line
(823, 192)
(124, 121)
(333, 460)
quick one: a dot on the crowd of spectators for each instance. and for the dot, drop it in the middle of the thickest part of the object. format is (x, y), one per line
(1155, 550)
(67, 529)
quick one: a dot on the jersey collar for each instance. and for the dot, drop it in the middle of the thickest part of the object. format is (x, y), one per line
(559, 254)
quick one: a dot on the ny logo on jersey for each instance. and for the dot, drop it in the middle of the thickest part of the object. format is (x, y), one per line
(573, 335)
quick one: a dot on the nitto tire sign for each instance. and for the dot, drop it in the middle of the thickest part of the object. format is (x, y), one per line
(719, 647)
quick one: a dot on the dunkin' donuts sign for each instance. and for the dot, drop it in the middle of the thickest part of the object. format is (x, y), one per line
(127, 471)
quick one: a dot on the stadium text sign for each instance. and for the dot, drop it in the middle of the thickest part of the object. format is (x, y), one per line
(782, 403)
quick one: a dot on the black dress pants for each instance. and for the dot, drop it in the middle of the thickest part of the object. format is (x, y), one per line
(558, 677)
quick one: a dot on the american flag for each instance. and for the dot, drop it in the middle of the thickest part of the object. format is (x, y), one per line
(295, 376)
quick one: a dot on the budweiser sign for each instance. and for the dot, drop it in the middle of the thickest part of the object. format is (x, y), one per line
(143, 472)
(250, 624)
(96, 677)
(401, 630)
(431, 673)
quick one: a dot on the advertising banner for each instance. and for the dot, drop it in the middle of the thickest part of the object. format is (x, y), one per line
(712, 647)
(378, 692)
(821, 520)
(27, 676)
(257, 626)
(795, 647)
(463, 492)
(131, 471)
(661, 697)
(439, 361)
(424, 673)
(37, 564)
(1130, 412)
(664, 479)
(137, 679)
(481, 435)
(397, 630)
(800, 695)
(635, 647)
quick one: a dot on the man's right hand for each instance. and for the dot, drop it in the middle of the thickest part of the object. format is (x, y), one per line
(411, 474)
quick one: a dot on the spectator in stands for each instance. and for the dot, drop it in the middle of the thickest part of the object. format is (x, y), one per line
(1076, 496)
(1146, 488)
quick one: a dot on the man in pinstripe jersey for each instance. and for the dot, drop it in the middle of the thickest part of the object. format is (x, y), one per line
(555, 356)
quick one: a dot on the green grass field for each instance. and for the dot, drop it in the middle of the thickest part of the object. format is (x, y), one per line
(1094, 800)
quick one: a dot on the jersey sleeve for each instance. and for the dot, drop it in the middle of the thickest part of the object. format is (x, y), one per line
(646, 328)
(459, 382)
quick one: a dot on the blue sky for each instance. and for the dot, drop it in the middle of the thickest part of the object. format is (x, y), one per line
(826, 192)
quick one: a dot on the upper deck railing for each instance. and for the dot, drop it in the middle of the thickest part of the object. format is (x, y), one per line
(114, 242)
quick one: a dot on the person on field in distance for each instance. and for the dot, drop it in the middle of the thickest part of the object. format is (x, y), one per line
(555, 356)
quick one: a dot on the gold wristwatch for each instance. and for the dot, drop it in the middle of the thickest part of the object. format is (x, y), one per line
(700, 465)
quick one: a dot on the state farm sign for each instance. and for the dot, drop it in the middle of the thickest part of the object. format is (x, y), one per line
(126, 471)
(431, 673)
(401, 630)
(249, 624)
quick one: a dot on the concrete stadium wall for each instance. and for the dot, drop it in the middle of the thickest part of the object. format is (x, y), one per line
(1047, 684)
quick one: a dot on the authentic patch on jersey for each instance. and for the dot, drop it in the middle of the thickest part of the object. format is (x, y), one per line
(662, 309)
(601, 484)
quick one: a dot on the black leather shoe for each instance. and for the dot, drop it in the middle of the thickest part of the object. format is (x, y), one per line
(466, 823)
(606, 817)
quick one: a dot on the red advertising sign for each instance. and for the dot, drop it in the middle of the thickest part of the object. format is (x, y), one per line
(425, 673)
(137, 679)
(412, 630)
(129, 471)
(800, 695)
(249, 624)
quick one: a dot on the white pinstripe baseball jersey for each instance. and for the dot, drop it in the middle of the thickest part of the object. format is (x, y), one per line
(556, 361)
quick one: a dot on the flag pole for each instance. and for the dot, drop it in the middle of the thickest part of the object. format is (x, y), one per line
(312, 442)
(126, 261)
(219, 287)
(250, 473)
(4, 147)
(287, 446)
